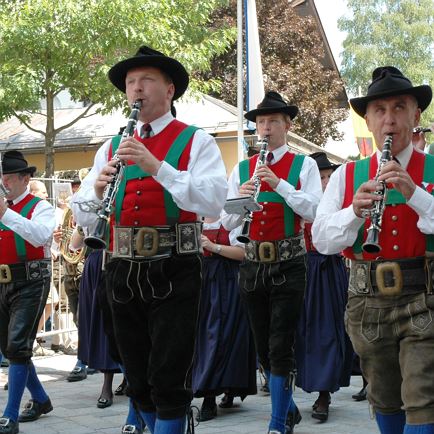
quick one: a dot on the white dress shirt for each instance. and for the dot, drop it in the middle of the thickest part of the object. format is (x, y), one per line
(38, 230)
(200, 189)
(303, 202)
(335, 228)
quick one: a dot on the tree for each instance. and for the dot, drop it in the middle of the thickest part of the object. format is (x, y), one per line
(388, 32)
(48, 46)
(291, 51)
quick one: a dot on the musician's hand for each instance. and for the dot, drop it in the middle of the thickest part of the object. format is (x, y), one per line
(105, 177)
(365, 197)
(57, 234)
(267, 175)
(419, 141)
(394, 174)
(247, 189)
(207, 244)
(132, 149)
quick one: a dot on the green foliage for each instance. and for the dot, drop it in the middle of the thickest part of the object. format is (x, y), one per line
(48, 46)
(292, 54)
(388, 32)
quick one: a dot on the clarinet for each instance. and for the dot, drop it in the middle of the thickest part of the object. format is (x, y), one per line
(248, 217)
(371, 244)
(96, 240)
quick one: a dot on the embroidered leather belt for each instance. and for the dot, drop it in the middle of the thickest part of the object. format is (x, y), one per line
(153, 242)
(275, 251)
(402, 276)
(30, 270)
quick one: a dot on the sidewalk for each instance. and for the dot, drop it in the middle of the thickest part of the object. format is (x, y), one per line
(75, 410)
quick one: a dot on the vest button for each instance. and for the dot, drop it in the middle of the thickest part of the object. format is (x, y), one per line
(262, 222)
(394, 232)
(261, 233)
(394, 218)
(264, 212)
(141, 178)
(138, 192)
(393, 204)
(265, 203)
(395, 247)
(136, 223)
(136, 207)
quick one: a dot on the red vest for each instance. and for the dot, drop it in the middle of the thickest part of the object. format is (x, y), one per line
(8, 249)
(143, 203)
(399, 236)
(217, 236)
(268, 224)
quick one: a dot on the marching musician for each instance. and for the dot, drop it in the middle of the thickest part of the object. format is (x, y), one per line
(174, 172)
(273, 275)
(26, 227)
(390, 309)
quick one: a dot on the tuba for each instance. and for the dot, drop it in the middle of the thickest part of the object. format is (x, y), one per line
(67, 226)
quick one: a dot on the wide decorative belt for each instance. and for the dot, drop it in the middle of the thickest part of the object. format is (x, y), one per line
(30, 270)
(153, 242)
(387, 277)
(275, 251)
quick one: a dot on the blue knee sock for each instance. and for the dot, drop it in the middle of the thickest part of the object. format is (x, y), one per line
(170, 426)
(35, 386)
(133, 417)
(391, 423)
(419, 429)
(281, 397)
(17, 379)
(149, 419)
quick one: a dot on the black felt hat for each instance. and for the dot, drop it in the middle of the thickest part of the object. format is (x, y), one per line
(272, 103)
(389, 81)
(322, 161)
(14, 162)
(147, 56)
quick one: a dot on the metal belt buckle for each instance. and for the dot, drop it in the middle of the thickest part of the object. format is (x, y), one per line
(386, 272)
(267, 252)
(147, 240)
(5, 273)
(360, 277)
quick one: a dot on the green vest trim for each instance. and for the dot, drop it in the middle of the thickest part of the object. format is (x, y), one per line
(272, 196)
(20, 244)
(133, 172)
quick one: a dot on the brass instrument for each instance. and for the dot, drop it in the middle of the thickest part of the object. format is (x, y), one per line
(371, 244)
(96, 240)
(67, 226)
(248, 216)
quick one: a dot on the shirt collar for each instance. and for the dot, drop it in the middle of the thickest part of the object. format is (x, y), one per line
(21, 197)
(279, 152)
(158, 124)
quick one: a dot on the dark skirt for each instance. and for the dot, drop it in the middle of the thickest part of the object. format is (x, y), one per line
(92, 341)
(225, 356)
(324, 352)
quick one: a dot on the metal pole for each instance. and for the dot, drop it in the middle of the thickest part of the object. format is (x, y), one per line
(240, 99)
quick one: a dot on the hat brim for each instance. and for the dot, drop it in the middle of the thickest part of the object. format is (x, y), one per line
(423, 95)
(290, 110)
(329, 166)
(29, 169)
(117, 74)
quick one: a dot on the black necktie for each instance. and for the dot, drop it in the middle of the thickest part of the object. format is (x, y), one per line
(270, 157)
(145, 131)
(10, 202)
(395, 159)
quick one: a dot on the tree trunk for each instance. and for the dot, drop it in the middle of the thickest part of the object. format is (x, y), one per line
(49, 137)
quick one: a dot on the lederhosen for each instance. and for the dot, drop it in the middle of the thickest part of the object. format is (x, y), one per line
(24, 286)
(273, 275)
(153, 280)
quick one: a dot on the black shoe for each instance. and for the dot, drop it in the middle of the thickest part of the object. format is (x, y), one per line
(207, 413)
(79, 373)
(8, 426)
(6, 386)
(34, 409)
(227, 401)
(120, 390)
(291, 420)
(361, 395)
(104, 403)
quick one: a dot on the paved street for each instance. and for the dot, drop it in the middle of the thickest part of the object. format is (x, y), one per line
(75, 410)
